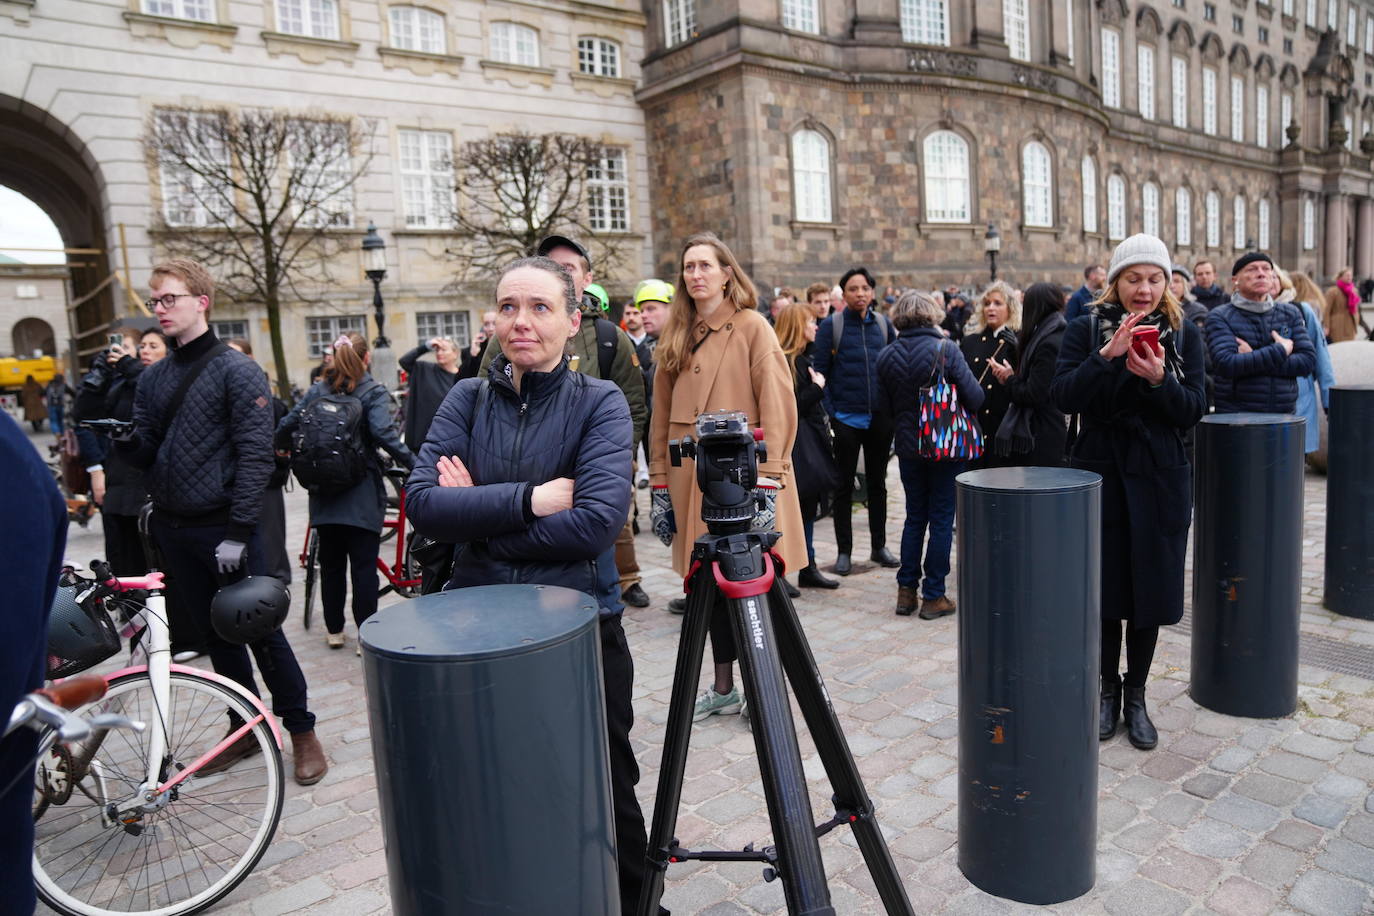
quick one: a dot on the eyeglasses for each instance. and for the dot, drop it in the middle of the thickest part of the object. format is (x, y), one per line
(168, 300)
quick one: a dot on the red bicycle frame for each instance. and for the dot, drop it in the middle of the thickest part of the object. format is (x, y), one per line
(396, 574)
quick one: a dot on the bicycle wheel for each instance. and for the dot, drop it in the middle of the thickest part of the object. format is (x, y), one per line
(101, 850)
(312, 573)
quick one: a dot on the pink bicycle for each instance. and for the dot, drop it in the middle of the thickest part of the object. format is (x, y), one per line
(156, 823)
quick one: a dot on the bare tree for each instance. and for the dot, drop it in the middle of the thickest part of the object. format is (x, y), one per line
(516, 188)
(255, 194)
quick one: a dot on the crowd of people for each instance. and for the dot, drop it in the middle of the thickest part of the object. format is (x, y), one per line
(526, 445)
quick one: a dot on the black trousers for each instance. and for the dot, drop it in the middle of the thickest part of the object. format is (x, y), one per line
(123, 546)
(341, 547)
(631, 837)
(876, 444)
(1140, 650)
(189, 553)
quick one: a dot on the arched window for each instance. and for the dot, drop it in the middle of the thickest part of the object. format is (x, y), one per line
(1262, 115)
(1116, 208)
(415, 29)
(1183, 217)
(925, 22)
(811, 176)
(947, 178)
(512, 43)
(1213, 207)
(1149, 208)
(1238, 222)
(598, 57)
(1089, 194)
(1036, 185)
(1262, 223)
(1145, 81)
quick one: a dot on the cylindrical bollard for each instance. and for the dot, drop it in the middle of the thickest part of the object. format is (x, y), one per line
(1030, 635)
(1247, 563)
(489, 741)
(1349, 583)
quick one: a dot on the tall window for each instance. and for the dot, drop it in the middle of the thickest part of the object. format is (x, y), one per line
(1111, 68)
(1287, 7)
(1116, 208)
(811, 177)
(1285, 110)
(426, 177)
(1183, 217)
(947, 178)
(1089, 171)
(1333, 14)
(1149, 208)
(800, 15)
(188, 198)
(1036, 185)
(1262, 115)
(324, 164)
(608, 192)
(1309, 16)
(453, 325)
(1351, 25)
(1238, 109)
(1348, 121)
(199, 10)
(679, 21)
(1369, 34)
(1309, 225)
(1179, 73)
(512, 43)
(1209, 101)
(322, 332)
(311, 18)
(598, 57)
(1213, 206)
(1016, 21)
(1068, 23)
(925, 22)
(1238, 222)
(1145, 80)
(1262, 223)
(414, 29)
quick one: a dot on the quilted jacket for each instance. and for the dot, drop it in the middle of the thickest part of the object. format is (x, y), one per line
(1264, 380)
(850, 365)
(559, 424)
(906, 367)
(211, 462)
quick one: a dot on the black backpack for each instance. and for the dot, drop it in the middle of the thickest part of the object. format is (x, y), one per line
(328, 454)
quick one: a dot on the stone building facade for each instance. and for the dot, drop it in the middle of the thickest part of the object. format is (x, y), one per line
(80, 79)
(816, 134)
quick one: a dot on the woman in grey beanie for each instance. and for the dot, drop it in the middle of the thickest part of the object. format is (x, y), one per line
(1135, 403)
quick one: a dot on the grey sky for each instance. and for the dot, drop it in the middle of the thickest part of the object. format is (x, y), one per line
(23, 224)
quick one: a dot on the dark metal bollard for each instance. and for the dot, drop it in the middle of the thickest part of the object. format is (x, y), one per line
(1247, 564)
(1349, 583)
(489, 737)
(1030, 632)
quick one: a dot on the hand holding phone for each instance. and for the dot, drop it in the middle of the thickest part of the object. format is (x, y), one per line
(1144, 340)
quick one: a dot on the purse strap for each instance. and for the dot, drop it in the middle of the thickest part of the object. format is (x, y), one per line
(937, 371)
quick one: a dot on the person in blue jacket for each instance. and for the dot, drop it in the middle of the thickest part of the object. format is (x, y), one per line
(527, 471)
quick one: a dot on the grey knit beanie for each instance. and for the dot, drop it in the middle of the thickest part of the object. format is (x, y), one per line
(1139, 249)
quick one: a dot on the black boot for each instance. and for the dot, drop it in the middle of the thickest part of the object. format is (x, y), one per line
(810, 577)
(842, 564)
(883, 557)
(1110, 709)
(1139, 729)
(792, 590)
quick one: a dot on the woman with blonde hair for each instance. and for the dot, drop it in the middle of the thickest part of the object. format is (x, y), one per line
(990, 336)
(718, 353)
(1314, 388)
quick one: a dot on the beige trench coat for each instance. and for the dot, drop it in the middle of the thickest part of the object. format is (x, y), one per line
(738, 365)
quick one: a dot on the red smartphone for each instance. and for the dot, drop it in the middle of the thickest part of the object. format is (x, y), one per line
(1144, 340)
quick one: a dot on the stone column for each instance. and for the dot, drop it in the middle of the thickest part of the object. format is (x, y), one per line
(877, 20)
(1333, 245)
(989, 29)
(1364, 239)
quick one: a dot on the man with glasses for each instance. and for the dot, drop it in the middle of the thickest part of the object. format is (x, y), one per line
(203, 424)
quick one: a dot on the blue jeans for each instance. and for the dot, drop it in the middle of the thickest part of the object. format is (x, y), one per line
(929, 489)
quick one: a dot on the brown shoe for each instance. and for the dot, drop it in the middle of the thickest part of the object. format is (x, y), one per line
(906, 601)
(311, 764)
(246, 746)
(931, 608)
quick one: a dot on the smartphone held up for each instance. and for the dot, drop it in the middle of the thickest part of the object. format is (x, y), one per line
(1144, 340)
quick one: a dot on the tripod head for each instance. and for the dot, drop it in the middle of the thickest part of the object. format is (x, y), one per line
(727, 452)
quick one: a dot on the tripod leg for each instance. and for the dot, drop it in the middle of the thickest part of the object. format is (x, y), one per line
(780, 768)
(677, 736)
(821, 722)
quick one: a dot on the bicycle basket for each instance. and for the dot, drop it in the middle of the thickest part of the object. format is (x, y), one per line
(80, 636)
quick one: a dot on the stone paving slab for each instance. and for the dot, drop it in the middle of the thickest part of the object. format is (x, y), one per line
(1227, 816)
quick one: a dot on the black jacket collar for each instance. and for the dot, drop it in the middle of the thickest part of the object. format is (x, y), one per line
(189, 353)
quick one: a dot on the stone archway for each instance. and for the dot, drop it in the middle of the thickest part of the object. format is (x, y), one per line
(31, 335)
(43, 159)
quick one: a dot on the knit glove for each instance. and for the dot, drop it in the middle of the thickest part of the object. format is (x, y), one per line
(229, 555)
(766, 498)
(661, 515)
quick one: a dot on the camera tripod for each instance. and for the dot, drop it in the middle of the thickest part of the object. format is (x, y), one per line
(737, 566)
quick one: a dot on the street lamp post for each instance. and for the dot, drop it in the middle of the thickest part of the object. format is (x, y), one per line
(374, 266)
(992, 243)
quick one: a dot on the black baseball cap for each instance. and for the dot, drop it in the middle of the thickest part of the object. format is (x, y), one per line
(562, 241)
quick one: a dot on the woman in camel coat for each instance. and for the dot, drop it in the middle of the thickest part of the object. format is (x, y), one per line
(718, 353)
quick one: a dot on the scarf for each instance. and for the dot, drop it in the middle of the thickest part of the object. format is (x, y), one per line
(1250, 305)
(1109, 318)
(1352, 298)
(1014, 435)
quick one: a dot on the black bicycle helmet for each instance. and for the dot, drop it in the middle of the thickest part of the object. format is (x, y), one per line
(250, 609)
(79, 637)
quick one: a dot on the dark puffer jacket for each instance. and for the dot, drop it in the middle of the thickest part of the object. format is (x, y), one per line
(906, 367)
(560, 424)
(211, 462)
(850, 365)
(1264, 380)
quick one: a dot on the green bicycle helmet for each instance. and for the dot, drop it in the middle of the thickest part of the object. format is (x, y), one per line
(596, 292)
